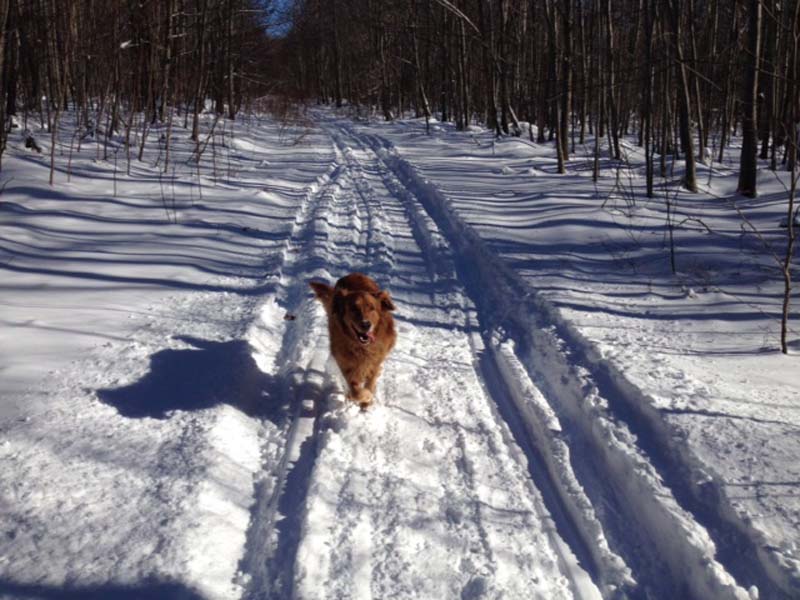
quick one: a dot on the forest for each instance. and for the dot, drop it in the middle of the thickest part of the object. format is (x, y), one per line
(683, 77)
(124, 65)
(576, 354)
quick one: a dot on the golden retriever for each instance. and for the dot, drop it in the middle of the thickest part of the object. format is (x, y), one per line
(361, 329)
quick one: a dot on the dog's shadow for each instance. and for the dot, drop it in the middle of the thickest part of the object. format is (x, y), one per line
(205, 375)
(152, 590)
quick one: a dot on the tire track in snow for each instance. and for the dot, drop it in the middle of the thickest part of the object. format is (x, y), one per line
(669, 550)
(325, 226)
(457, 469)
(575, 521)
(429, 481)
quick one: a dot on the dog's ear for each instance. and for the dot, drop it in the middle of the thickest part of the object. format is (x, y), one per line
(386, 300)
(323, 292)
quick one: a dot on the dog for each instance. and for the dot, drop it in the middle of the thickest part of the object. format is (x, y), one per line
(361, 329)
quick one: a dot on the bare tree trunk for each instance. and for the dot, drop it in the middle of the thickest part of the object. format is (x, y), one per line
(558, 119)
(748, 163)
(487, 33)
(648, 97)
(792, 103)
(566, 79)
(727, 111)
(701, 137)
(791, 238)
(666, 126)
(423, 97)
(769, 81)
(229, 62)
(584, 87)
(462, 76)
(791, 211)
(684, 102)
(4, 12)
(166, 63)
(337, 60)
(199, 95)
(611, 79)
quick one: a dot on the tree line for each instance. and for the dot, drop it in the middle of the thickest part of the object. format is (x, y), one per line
(682, 75)
(116, 61)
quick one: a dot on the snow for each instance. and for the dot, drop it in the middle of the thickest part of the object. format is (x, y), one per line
(562, 416)
(599, 276)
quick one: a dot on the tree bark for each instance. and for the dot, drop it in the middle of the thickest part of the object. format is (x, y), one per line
(748, 161)
(684, 99)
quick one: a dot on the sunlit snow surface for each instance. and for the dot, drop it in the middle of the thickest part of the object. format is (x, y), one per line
(562, 416)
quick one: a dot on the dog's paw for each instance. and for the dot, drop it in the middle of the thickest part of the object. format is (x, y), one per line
(363, 397)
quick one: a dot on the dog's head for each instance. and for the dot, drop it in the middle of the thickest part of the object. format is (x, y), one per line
(361, 312)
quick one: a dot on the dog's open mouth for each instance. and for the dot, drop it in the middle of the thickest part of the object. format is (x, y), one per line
(364, 338)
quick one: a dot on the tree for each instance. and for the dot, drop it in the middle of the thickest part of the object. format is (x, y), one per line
(748, 163)
(676, 8)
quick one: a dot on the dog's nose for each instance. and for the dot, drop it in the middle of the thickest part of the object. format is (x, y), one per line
(366, 324)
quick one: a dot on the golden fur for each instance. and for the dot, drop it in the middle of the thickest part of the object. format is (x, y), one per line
(361, 329)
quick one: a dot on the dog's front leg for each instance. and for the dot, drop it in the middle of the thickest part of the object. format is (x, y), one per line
(372, 380)
(359, 393)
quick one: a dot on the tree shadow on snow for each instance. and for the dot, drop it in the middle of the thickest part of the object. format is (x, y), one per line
(205, 375)
(156, 590)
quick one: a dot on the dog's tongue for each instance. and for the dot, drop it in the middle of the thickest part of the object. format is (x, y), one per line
(371, 336)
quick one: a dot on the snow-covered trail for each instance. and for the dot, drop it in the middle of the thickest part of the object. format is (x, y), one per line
(500, 459)
(604, 337)
(428, 494)
(653, 499)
